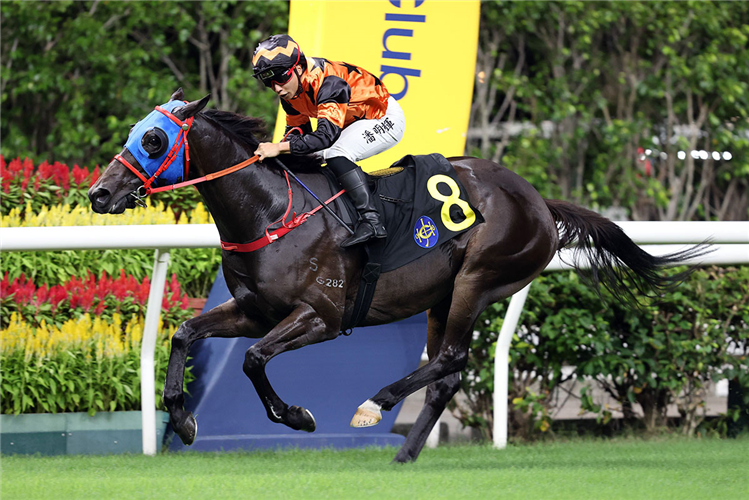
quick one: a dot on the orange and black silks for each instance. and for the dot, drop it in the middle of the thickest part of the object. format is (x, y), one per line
(337, 94)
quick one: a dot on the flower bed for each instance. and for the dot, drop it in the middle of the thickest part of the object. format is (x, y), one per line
(76, 346)
(103, 296)
(43, 185)
(71, 323)
(55, 195)
(68, 215)
(32, 188)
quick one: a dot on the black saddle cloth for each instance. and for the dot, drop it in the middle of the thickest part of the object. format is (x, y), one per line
(423, 206)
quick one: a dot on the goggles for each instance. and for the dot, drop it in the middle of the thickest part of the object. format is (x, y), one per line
(275, 75)
(280, 76)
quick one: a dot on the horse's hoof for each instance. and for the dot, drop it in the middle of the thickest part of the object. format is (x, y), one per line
(300, 419)
(187, 430)
(403, 458)
(367, 415)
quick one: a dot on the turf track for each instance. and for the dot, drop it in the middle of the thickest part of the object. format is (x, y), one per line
(619, 469)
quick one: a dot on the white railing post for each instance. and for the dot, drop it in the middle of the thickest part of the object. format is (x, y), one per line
(148, 348)
(501, 365)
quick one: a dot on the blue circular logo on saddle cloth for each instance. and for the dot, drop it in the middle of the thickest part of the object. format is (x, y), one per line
(425, 232)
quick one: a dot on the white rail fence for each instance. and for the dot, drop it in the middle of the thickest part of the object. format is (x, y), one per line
(732, 239)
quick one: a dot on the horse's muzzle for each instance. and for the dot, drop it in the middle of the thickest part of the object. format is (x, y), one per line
(101, 201)
(99, 198)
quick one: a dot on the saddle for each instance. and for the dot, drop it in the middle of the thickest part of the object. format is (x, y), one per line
(423, 204)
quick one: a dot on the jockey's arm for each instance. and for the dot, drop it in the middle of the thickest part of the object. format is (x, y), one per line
(333, 96)
(271, 149)
(332, 101)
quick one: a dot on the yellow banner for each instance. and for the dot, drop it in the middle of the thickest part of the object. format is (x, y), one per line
(424, 51)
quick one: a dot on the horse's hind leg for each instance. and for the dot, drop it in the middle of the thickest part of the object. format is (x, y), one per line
(439, 393)
(302, 327)
(226, 321)
(451, 357)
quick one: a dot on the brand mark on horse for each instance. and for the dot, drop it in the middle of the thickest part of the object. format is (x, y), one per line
(330, 283)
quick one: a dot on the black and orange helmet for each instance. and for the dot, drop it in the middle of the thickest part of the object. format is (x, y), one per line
(275, 58)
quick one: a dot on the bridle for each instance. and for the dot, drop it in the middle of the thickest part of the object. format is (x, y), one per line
(181, 141)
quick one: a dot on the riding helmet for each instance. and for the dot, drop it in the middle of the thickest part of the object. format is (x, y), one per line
(278, 53)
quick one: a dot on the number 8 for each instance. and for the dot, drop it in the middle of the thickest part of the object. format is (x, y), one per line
(448, 201)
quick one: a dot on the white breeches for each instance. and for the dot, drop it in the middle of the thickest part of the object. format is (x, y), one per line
(365, 138)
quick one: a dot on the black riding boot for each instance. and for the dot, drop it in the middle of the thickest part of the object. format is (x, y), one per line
(354, 181)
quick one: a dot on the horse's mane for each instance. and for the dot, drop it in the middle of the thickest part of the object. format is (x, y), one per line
(252, 131)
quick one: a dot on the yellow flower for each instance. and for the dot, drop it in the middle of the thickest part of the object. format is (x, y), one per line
(64, 215)
(97, 336)
(200, 215)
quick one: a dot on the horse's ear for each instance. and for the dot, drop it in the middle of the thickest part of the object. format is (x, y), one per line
(178, 95)
(194, 107)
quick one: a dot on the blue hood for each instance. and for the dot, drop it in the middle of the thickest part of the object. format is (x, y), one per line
(157, 119)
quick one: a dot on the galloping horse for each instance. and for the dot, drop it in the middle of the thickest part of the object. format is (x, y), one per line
(277, 298)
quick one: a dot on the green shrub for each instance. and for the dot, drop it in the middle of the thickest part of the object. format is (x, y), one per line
(665, 353)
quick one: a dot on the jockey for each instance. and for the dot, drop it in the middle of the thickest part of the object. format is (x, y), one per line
(356, 118)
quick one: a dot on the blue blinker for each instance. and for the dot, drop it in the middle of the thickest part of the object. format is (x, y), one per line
(165, 128)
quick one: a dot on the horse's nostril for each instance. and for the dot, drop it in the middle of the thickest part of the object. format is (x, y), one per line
(100, 197)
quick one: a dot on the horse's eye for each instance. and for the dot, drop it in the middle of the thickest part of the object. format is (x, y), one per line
(154, 142)
(151, 142)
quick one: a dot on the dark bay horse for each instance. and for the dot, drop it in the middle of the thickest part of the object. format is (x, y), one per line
(276, 296)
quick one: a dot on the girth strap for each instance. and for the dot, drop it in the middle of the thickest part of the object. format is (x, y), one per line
(369, 277)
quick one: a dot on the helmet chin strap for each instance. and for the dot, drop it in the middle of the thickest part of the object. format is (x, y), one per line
(299, 82)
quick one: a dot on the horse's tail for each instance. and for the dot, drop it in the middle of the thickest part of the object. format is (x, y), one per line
(615, 261)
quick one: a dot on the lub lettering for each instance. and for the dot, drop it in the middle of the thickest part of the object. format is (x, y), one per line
(387, 53)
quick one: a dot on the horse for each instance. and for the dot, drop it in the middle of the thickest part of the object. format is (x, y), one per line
(275, 294)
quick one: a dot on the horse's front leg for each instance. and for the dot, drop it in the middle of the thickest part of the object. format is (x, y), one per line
(302, 327)
(224, 321)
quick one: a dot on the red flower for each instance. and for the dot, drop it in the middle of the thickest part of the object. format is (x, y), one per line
(15, 167)
(87, 299)
(44, 170)
(100, 308)
(61, 174)
(103, 287)
(145, 290)
(24, 290)
(5, 283)
(28, 168)
(41, 295)
(57, 294)
(80, 174)
(95, 175)
(6, 175)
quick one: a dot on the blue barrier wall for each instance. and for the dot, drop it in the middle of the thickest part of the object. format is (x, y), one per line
(330, 379)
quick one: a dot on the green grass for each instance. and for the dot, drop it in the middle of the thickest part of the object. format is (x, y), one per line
(622, 468)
